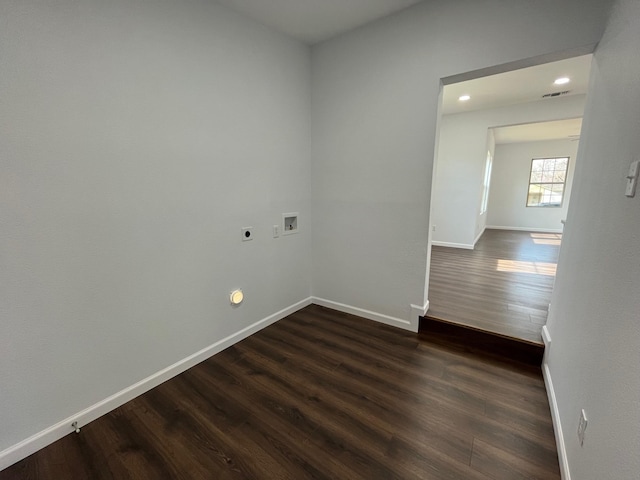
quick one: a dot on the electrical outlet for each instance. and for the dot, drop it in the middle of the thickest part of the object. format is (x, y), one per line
(433, 228)
(247, 234)
(276, 231)
(582, 426)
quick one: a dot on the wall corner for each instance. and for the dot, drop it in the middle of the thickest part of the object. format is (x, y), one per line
(417, 311)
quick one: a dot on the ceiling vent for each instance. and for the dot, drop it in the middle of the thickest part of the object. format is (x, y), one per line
(555, 94)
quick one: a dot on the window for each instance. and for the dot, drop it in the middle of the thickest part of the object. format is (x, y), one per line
(546, 182)
(485, 184)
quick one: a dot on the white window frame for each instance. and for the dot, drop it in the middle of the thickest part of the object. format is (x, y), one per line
(551, 183)
(486, 183)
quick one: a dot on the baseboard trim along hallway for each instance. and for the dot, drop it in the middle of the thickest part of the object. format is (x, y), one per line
(557, 426)
(55, 432)
(464, 246)
(525, 229)
(555, 412)
(323, 394)
(368, 314)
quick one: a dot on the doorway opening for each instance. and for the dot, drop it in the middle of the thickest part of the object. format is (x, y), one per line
(503, 170)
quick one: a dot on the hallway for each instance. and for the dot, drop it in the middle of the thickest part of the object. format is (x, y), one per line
(503, 286)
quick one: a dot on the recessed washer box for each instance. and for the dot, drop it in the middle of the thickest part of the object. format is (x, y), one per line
(289, 223)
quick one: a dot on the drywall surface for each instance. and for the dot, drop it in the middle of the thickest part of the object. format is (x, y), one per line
(461, 158)
(137, 139)
(374, 109)
(481, 221)
(594, 359)
(510, 185)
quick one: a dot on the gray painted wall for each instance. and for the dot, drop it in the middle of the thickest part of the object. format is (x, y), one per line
(462, 153)
(594, 359)
(374, 109)
(137, 139)
(510, 185)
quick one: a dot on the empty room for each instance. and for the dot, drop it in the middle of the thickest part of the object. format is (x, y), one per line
(216, 243)
(504, 170)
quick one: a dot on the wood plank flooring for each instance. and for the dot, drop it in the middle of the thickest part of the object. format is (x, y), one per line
(322, 394)
(477, 341)
(503, 286)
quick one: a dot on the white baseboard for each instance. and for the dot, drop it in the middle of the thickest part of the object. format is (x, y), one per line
(557, 426)
(49, 435)
(478, 237)
(418, 311)
(361, 312)
(525, 229)
(452, 245)
(546, 338)
(555, 412)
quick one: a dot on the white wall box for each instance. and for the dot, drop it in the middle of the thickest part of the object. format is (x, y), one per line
(289, 223)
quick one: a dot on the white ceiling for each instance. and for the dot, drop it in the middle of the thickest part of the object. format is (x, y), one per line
(313, 21)
(517, 86)
(533, 132)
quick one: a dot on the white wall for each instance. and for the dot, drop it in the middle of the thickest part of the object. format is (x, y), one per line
(461, 157)
(481, 221)
(137, 138)
(510, 185)
(594, 359)
(374, 109)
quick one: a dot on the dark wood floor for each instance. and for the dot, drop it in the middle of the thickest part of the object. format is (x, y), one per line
(502, 286)
(319, 395)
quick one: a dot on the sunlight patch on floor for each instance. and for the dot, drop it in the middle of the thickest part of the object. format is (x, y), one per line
(546, 241)
(546, 238)
(517, 266)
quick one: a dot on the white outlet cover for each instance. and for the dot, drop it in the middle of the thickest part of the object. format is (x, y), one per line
(630, 189)
(247, 234)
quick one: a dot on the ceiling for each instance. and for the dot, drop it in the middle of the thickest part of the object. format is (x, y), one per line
(518, 86)
(313, 21)
(533, 132)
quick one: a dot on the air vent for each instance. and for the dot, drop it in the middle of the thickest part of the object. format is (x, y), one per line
(555, 94)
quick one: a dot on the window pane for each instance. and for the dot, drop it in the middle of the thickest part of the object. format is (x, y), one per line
(559, 176)
(561, 163)
(547, 176)
(557, 193)
(535, 194)
(546, 182)
(546, 195)
(536, 166)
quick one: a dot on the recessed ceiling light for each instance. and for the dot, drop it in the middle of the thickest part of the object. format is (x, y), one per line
(562, 80)
(464, 98)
